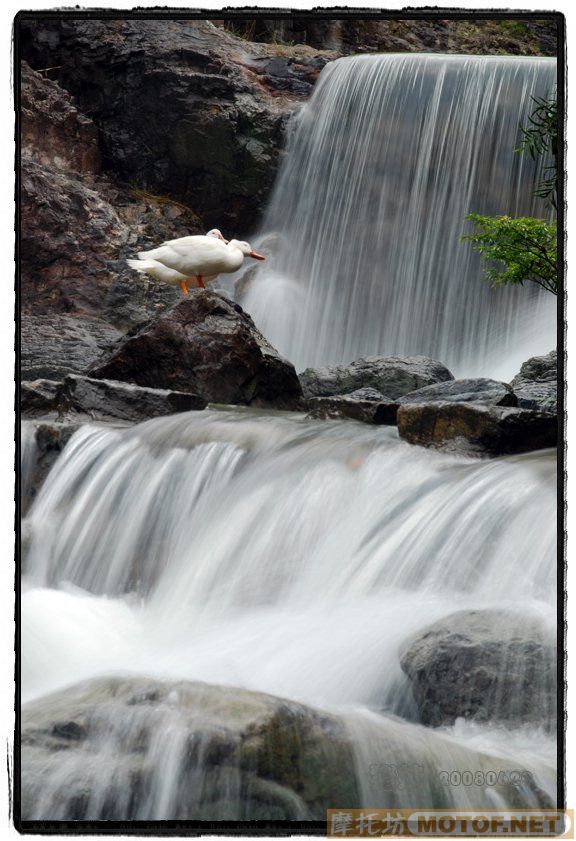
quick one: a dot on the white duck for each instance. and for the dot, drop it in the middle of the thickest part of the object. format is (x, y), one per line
(200, 257)
(163, 273)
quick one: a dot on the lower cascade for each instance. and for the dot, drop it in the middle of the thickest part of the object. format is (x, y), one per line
(228, 614)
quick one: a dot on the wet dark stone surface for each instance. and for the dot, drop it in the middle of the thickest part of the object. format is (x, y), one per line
(209, 346)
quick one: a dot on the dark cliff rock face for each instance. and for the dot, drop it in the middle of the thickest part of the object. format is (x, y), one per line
(208, 346)
(183, 108)
(76, 225)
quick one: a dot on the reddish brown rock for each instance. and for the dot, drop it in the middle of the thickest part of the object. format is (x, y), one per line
(52, 127)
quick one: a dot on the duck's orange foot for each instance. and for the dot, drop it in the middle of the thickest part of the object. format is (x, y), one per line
(184, 287)
(200, 282)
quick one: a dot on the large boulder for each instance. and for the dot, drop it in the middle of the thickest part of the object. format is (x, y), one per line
(123, 401)
(485, 666)
(393, 376)
(536, 384)
(476, 428)
(138, 749)
(209, 346)
(490, 392)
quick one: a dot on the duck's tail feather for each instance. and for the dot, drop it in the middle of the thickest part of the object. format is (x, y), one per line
(141, 265)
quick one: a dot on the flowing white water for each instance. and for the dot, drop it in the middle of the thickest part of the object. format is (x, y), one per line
(386, 159)
(286, 556)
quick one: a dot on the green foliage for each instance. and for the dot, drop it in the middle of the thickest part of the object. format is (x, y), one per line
(539, 136)
(526, 247)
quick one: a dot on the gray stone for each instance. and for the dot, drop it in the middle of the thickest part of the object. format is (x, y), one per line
(352, 407)
(486, 666)
(367, 393)
(393, 376)
(123, 401)
(489, 392)
(38, 397)
(476, 428)
(536, 385)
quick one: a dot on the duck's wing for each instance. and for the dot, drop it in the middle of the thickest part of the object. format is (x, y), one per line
(197, 240)
(162, 253)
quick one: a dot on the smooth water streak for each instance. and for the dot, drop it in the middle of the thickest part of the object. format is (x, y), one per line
(385, 161)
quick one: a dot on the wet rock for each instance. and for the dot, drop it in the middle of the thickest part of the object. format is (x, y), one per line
(110, 399)
(209, 346)
(55, 345)
(536, 385)
(489, 392)
(42, 443)
(38, 397)
(93, 751)
(476, 428)
(485, 666)
(364, 404)
(393, 376)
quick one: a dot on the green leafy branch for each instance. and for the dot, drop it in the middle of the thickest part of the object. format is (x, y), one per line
(526, 247)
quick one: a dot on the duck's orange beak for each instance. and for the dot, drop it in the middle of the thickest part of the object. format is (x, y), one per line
(256, 255)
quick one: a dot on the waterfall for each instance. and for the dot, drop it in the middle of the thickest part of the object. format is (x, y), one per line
(385, 161)
(282, 556)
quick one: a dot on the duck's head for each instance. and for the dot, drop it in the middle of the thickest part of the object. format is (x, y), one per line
(217, 234)
(246, 249)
